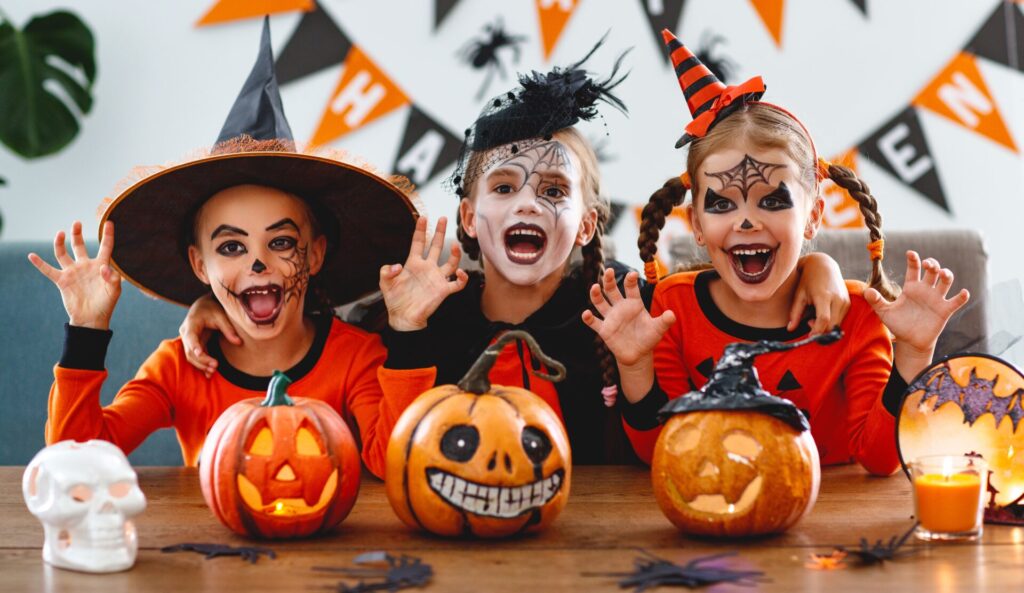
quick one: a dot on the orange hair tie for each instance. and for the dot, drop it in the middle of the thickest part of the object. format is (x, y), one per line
(653, 271)
(823, 166)
(685, 180)
(876, 249)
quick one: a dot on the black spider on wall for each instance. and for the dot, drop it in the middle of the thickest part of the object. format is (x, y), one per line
(482, 53)
(721, 66)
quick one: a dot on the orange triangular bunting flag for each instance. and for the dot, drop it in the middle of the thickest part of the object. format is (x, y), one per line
(363, 94)
(960, 94)
(232, 10)
(553, 14)
(841, 210)
(770, 12)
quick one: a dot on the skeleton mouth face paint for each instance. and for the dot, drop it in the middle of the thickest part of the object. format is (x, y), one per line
(256, 250)
(527, 212)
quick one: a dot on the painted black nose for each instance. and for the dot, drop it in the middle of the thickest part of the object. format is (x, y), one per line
(259, 267)
(747, 225)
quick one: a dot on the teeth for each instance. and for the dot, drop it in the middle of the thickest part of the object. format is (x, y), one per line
(751, 251)
(504, 502)
(527, 255)
(527, 232)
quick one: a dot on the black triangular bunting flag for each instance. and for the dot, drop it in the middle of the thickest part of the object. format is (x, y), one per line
(899, 147)
(993, 39)
(317, 43)
(706, 367)
(426, 148)
(662, 14)
(615, 210)
(788, 382)
(441, 10)
(862, 5)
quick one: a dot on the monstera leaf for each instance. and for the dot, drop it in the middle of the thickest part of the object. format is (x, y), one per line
(50, 62)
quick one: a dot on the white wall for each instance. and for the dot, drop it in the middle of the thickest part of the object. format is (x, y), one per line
(165, 86)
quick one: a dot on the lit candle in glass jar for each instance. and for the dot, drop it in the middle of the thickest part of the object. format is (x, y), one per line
(948, 496)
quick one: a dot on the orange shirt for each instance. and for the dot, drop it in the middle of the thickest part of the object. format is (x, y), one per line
(839, 387)
(168, 391)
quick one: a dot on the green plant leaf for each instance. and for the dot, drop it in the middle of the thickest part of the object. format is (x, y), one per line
(54, 50)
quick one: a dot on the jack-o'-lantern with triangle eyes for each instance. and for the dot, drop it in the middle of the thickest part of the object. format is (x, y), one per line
(477, 459)
(733, 460)
(280, 467)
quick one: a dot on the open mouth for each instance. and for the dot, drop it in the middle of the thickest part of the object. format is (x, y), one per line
(752, 263)
(524, 243)
(503, 502)
(262, 303)
(716, 504)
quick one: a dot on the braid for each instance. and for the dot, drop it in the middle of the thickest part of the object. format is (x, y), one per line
(848, 180)
(470, 246)
(592, 270)
(652, 219)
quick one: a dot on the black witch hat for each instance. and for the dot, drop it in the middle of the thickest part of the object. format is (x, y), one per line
(367, 218)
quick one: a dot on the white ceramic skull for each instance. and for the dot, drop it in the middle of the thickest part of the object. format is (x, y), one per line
(84, 494)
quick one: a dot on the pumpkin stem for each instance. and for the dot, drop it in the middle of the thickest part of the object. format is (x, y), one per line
(476, 379)
(276, 395)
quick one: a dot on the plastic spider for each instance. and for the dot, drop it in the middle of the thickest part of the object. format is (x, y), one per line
(651, 571)
(721, 66)
(248, 553)
(400, 573)
(878, 552)
(483, 53)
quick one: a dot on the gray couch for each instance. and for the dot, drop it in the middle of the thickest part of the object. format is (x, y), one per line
(32, 319)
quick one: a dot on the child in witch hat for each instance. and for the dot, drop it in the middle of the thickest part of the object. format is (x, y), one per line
(278, 236)
(754, 174)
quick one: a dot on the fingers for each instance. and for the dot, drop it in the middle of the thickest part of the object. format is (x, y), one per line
(822, 318)
(666, 320)
(591, 320)
(453, 261)
(796, 311)
(461, 278)
(876, 300)
(419, 238)
(60, 251)
(632, 285)
(945, 282)
(913, 267)
(598, 300)
(106, 243)
(44, 268)
(78, 242)
(611, 290)
(389, 272)
(959, 300)
(930, 274)
(437, 241)
(110, 275)
(223, 325)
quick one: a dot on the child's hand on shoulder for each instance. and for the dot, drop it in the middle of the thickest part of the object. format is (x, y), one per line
(414, 291)
(88, 286)
(205, 316)
(919, 313)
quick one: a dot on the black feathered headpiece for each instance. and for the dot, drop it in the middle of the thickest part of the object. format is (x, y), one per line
(544, 103)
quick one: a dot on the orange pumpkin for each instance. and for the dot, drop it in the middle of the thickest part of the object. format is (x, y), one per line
(476, 459)
(280, 467)
(733, 460)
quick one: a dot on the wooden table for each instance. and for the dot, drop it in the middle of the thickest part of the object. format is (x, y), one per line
(611, 513)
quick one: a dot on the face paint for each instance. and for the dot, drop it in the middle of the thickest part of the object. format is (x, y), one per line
(744, 176)
(528, 211)
(258, 266)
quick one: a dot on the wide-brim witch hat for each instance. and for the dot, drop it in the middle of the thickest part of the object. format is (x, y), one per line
(368, 218)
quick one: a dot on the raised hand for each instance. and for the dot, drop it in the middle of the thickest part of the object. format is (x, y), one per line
(626, 327)
(89, 287)
(414, 291)
(919, 313)
(204, 317)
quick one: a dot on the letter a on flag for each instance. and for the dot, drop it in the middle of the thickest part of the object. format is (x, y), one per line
(363, 94)
(960, 94)
(553, 15)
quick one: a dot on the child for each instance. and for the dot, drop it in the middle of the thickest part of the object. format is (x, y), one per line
(259, 224)
(755, 177)
(530, 196)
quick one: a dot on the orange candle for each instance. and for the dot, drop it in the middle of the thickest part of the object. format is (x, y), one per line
(948, 503)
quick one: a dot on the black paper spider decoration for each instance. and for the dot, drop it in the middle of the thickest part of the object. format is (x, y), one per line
(879, 552)
(652, 571)
(483, 53)
(398, 573)
(721, 66)
(248, 553)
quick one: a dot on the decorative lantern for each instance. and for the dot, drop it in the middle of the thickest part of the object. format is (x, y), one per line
(85, 494)
(280, 467)
(733, 460)
(970, 404)
(477, 459)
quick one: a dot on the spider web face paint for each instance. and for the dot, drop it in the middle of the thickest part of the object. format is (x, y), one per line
(744, 176)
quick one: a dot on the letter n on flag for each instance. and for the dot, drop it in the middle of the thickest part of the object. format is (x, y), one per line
(363, 94)
(960, 94)
(553, 15)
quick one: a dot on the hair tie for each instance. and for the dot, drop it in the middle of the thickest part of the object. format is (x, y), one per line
(685, 180)
(653, 271)
(609, 393)
(823, 166)
(876, 248)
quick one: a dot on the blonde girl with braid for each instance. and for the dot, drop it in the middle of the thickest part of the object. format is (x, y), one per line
(755, 180)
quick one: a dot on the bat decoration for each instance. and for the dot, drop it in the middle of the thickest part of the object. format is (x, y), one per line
(390, 573)
(651, 571)
(248, 553)
(879, 552)
(975, 399)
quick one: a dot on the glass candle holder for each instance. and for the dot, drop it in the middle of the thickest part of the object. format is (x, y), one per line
(949, 496)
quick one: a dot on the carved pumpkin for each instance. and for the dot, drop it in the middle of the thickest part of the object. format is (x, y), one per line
(476, 459)
(970, 404)
(280, 467)
(733, 460)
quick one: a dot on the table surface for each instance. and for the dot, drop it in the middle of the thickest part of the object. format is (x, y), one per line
(610, 516)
